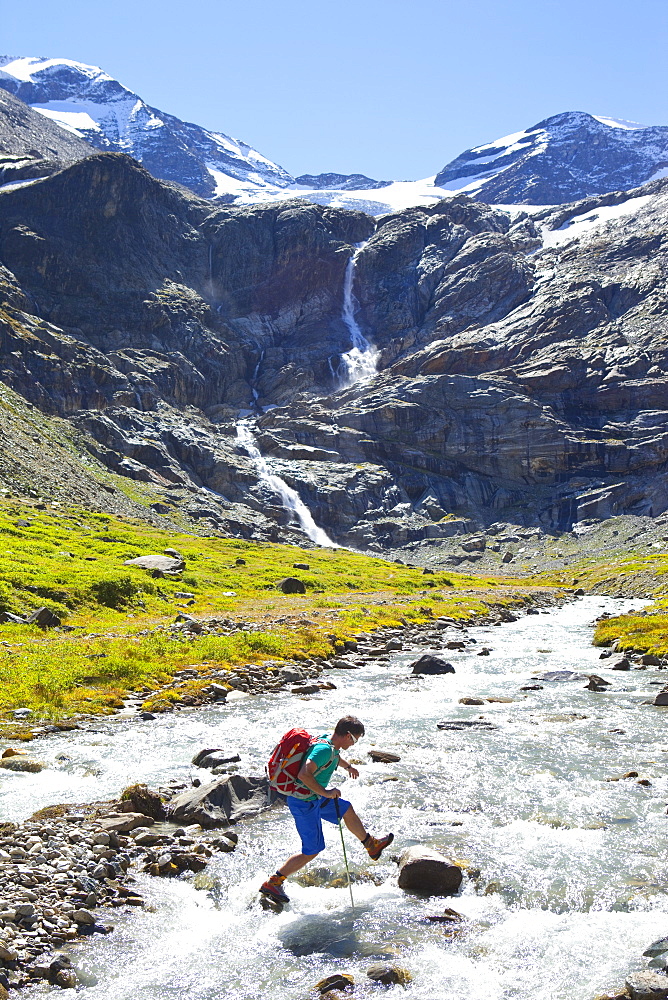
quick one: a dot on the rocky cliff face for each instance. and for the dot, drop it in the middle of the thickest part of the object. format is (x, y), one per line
(31, 145)
(521, 370)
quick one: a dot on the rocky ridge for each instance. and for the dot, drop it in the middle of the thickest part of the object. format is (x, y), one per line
(521, 359)
(564, 158)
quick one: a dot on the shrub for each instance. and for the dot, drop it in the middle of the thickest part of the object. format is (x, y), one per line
(115, 592)
(6, 598)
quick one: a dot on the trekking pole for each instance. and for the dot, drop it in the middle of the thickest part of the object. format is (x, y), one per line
(345, 856)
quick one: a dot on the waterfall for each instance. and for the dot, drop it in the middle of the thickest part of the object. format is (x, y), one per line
(360, 362)
(289, 497)
(256, 372)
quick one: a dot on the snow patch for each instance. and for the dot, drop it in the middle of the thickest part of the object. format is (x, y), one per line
(580, 225)
(72, 121)
(618, 123)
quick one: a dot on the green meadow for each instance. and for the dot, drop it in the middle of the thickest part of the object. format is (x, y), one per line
(112, 640)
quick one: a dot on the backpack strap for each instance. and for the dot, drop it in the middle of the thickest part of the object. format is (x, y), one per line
(319, 770)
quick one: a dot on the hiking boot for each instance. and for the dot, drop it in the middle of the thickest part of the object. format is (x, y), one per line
(273, 888)
(376, 847)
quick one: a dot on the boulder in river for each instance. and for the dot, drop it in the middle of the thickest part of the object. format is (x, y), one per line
(621, 664)
(431, 664)
(662, 697)
(222, 802)
(561, 675)
(650, 660)
(215, 758)
(596, 683)
(383, 757)
(428, 872)
(647, 985)
(339, 981)
(389, 975)
(20, 762)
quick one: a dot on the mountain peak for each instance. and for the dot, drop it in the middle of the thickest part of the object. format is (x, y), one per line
(89, 103)
(565, 157)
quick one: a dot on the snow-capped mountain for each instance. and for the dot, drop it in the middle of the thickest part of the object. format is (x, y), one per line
(561, 159)
(89, 103)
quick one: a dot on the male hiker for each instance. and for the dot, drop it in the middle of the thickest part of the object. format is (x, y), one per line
(312, 802)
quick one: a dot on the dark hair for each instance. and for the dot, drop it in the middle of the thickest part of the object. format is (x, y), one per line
(349, 724)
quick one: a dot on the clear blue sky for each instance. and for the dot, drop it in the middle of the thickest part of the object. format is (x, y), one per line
(390, 88)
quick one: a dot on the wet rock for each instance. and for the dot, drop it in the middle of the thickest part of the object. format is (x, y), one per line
(566, 717)
(459, 724)
(19, 762)
(66, 979)
(662, 697)
(532, 687)
(647, 985)
(471, 701)
(558, 676)
(306, 689)
(291, 585)
(389, 975)
(448, 916)
(596, 683)
(214, 758)
(657, 948)
(430, 664)
(383, 757)
(339, 981)
(485, 651)
(83, 916)
(427, 872)
(222, 802)
(621, 664)
(623, 777)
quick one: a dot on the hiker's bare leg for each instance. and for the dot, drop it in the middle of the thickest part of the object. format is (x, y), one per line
(354, 823)
(295, 863)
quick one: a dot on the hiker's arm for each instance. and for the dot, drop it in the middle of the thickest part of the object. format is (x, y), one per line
(352, 771)
(306, 776)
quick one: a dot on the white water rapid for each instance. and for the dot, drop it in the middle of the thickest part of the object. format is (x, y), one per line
(289, 497)
(572, 886)
(361, 361)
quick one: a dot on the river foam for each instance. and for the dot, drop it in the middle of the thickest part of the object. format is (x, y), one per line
(571, 886)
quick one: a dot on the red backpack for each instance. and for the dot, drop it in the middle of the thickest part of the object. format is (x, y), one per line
(286, 760)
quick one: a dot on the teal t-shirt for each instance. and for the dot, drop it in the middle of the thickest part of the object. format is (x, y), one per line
(325, 757)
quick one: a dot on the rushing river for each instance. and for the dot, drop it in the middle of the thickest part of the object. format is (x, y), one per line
(574, 866)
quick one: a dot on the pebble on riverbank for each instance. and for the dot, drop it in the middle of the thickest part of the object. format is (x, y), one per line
(67, 862)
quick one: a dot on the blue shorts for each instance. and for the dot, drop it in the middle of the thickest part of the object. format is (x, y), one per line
(308, 817)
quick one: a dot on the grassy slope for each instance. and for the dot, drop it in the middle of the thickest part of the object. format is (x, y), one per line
(71, 561)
